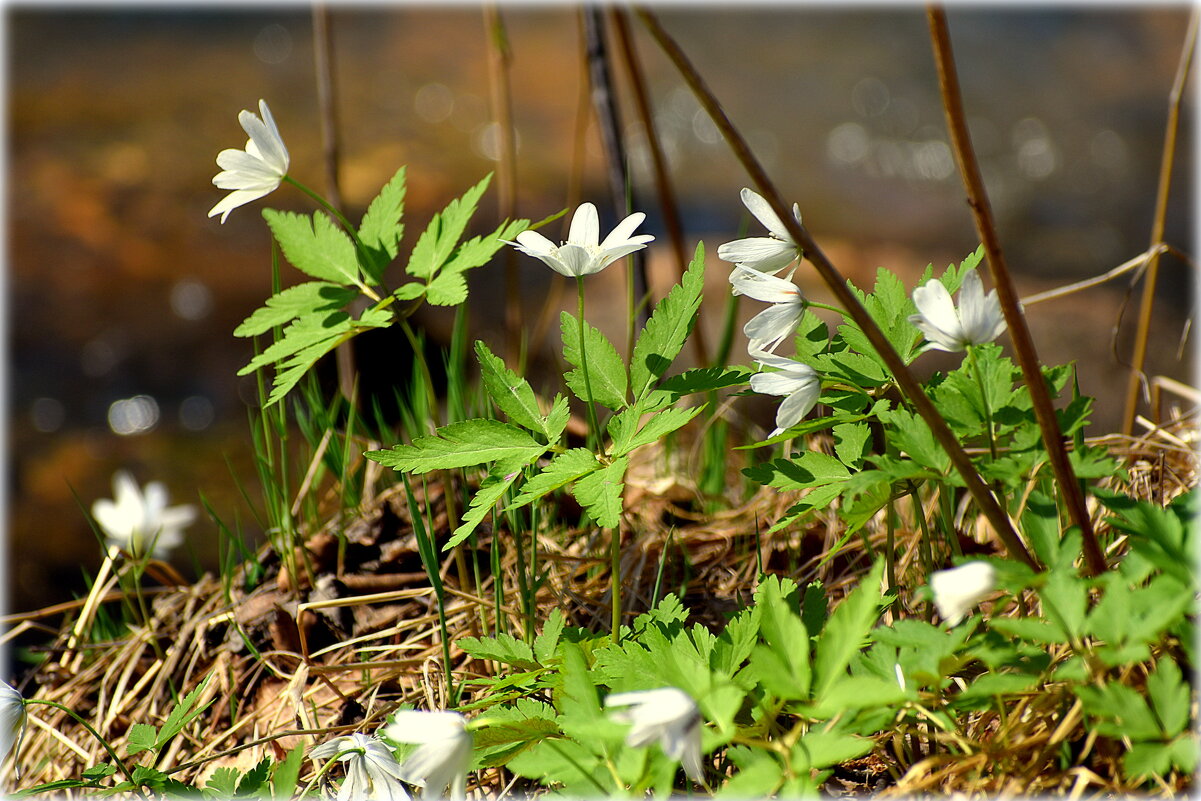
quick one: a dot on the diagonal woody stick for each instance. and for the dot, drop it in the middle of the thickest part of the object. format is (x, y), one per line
(1019, 332)
(837, 284)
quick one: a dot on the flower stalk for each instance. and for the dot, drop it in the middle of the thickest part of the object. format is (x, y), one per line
(1019, 332)
(834, 280)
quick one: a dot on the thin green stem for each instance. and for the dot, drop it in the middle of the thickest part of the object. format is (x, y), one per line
(834, 309)
(979, 375)
(116, 759)
(594, 430)
(615, 571)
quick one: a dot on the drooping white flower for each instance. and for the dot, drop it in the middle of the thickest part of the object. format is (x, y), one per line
(767, 254)
(766, 330)
(800, 383)
(580, 254)
(977, 320)
(960, 588)
(371, 769)
(141, 522)
(443, 753)
(255, 171)
(12, 718)
(668, 715)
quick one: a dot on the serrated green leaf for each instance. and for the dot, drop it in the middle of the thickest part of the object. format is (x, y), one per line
(565, 468)
(705, 379)
(546, 642)
(599, 493)
(295, 367)
(785, 634)
(442, 235)
(255, 779)
(410, 291)
(850, 442)
(449, 286)
(309, 298)
(141, 737)
(1169, 696)
(502, 476)
(286, 774)
(558, 417)
(316, 246)
(846, 631)
(658, 426)
(381, 228)
(512, 394)
(911, 435)
(668, 328)
(503, 648)
(184, 712)
(606, 370)
(820, 748)
(462, 444)
(302, 333)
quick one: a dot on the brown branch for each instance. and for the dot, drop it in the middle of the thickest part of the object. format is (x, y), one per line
(1019, 332)
(834, 280)
(1151, 275)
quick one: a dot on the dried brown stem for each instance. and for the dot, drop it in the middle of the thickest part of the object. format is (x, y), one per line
(1151, 275)
(1019, 332)
(837, 285)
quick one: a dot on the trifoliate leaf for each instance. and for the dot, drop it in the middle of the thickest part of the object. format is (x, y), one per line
(461, 444)
(442, 235)
(381, 229)
(668, 328)
(141, 737)
(658, 426)
(302, 300)
(316, 246)
(606, 370)
(599, 493)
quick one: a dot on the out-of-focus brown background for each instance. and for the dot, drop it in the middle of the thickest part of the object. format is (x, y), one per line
(120, 288)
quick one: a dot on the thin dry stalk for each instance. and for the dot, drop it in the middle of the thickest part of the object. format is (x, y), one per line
(834, 280)
(1019, 332)
(1151, 275)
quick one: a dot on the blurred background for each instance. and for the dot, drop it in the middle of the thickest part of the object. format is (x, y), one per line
(123, 294)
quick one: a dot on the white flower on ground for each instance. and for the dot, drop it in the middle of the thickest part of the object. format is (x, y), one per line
(800, 383)
(255, 171)
(371, 772)
(668, 715)
(12, 718)
(141, 522)
(770, 327)
(767, 254)
(580, 254)
(958, 589)
(977, 320)
(443, 751)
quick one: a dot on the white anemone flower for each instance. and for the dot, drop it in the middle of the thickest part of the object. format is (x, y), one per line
(767, 254)
(770, 327)
(977, 320)
(799, 383)
(958, 589)
(580, 254)
(668, 715)
(255, 171)
(371, 769)
(443, 751)
(141, 522)
(12, 718)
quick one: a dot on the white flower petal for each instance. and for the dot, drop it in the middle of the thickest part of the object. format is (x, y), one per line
(12, 718)
(621, 233)
(957, 590)
(581, 255)
(255, 171)
(773, 325)
(758, 251)
(977, 320)
(758, 206)
(796, 406)
(535, 244)
(585, 226)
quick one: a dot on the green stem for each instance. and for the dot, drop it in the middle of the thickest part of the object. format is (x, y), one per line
(834, 309)
(615, 570)
(116, 759)
(992, 441)
(596, 439)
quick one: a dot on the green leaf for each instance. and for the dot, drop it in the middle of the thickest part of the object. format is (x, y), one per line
(300, 335)
(910, 434)
(668, 328)
(657, 427)
(557, 417)
(462, 444)
(1147, 759)
(759, 775)
(599, 493)
(449, 286)
(822, 749)
(1123, 712)
(1065, 601)
(846, 631)
(850, 442)
(184, 712)
(565, 468)
(316, 246)
(141, 737)
(606, 370)
(381, 229)
(546, 642)
(1169, 696)
(255, 779)
(705, 379)
(495, 484)
(286, 775)
(786, 636)
(512, 394)
(302, 300)
(440, 237)
(503, 648)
